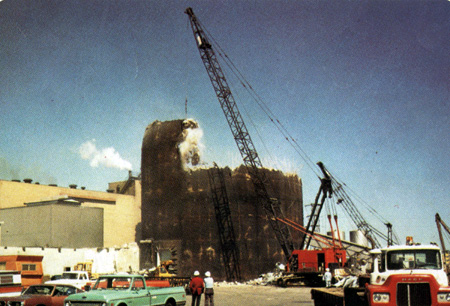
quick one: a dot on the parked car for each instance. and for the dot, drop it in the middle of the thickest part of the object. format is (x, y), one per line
(43, 295)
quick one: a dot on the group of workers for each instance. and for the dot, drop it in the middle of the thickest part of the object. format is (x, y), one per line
(199, 285)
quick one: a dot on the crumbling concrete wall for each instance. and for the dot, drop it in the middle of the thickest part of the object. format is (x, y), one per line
(178, 212)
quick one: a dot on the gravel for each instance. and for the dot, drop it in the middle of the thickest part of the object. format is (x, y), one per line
(226, 294)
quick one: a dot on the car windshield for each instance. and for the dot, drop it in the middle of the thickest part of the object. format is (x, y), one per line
(39, 289)
(117, 283)
(413, 259)
(69, 275)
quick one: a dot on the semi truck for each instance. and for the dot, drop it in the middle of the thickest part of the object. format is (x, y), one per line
(407, 275)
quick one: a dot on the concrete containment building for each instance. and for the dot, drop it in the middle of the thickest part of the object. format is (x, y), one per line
(178, 217)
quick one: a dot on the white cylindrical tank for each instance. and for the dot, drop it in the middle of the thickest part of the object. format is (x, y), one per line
(342, 233)
(358, 237)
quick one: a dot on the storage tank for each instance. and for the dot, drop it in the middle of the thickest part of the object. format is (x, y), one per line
(341, 233)
(358, 237)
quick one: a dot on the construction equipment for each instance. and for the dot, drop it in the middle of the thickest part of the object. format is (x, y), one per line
(317, 260)
(325, 190)
(329, 184)
(165, 272)
(307, 265)
(241, 136)
(445, 253)
(370, 232)
(230, 252)
(84, 266)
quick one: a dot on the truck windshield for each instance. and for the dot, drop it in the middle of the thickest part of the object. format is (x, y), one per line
(39, 290)
(70, 275)
(413, 259)
(116, 283)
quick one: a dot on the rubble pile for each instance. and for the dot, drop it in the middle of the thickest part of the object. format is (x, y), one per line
(265, 279)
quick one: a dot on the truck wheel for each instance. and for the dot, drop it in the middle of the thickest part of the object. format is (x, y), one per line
(169, 303)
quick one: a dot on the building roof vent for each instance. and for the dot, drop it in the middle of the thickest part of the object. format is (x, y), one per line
(27, 180)
(73, 186)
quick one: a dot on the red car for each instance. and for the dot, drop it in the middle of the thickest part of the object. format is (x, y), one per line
(43, 295)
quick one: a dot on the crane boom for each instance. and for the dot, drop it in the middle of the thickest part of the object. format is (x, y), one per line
(241, 136)
(439, 222)
(325, 190)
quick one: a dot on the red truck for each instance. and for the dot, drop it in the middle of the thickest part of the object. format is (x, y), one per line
(408, 275)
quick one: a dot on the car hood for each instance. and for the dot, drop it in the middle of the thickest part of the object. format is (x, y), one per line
(97, 295)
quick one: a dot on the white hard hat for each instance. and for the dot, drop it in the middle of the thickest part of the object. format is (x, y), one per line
(196, 273)
(208, 273)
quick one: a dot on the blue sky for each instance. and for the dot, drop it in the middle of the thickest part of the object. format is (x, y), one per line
(361, 85)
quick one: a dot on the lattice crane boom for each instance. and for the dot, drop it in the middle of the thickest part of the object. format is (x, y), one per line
(325, 190)
(241, 136)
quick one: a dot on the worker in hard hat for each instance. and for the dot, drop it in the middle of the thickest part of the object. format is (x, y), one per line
(197, 287)
(209, 290)
(327, 277)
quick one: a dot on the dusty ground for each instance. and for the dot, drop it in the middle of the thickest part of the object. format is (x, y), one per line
(253, 295)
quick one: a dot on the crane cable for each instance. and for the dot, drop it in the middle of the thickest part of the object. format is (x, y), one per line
(350, 208)
(258, 99)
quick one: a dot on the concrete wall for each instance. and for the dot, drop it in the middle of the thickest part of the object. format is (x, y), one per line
(121, 213)
(52, 225)
(178, 212)
(105, 260)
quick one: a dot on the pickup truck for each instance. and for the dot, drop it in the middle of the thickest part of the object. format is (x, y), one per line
(78, 279)
(127, 290)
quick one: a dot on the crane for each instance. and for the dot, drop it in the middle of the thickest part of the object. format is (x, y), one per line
(325, 190)
(317, 259)
(230, 252)
(360, 222)
(439, 222)
(241, 136)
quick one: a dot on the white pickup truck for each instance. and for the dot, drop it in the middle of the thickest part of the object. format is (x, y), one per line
(78, 279)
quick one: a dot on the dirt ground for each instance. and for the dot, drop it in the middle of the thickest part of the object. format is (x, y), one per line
(254, 295)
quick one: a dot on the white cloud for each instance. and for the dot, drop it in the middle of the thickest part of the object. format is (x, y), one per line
(107, 157)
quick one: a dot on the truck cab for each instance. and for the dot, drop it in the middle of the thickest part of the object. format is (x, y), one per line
(78, 279)
(408, 275)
